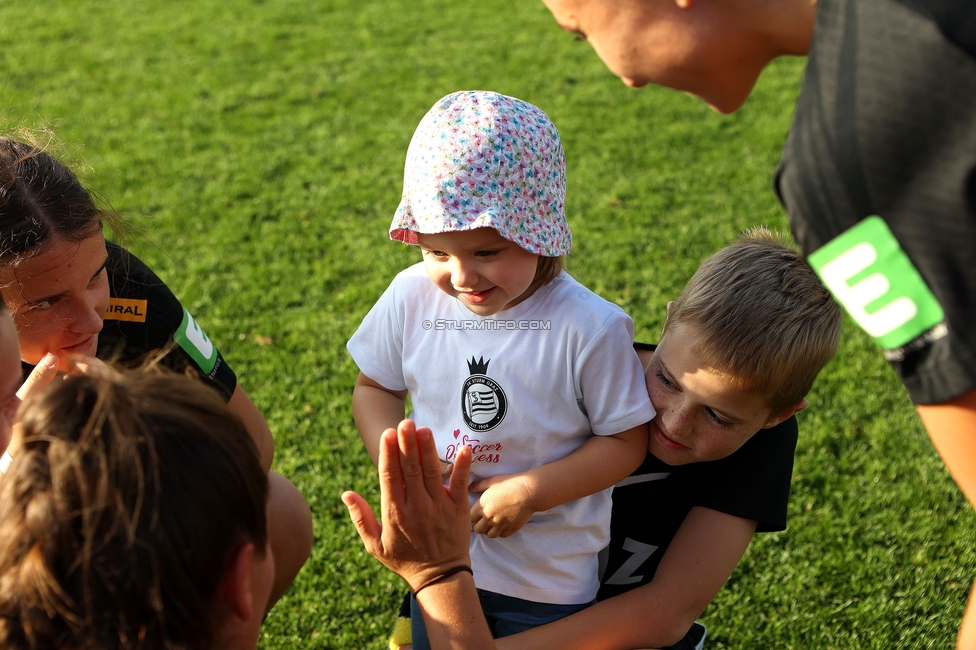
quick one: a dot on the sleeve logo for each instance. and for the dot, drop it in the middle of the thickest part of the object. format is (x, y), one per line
(869, 274)
(125, 309)
(195, 343)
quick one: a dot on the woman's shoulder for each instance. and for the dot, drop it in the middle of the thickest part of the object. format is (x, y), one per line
(127, 272)
(139, 300)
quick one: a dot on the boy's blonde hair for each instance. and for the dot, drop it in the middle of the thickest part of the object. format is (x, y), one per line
(762, 316)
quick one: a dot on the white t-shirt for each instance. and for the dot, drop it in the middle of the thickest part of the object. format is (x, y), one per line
(523, 388)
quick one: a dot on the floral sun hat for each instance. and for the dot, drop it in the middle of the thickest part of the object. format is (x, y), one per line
(480, 159)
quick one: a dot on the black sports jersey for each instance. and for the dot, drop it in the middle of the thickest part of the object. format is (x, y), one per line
(650, 505)
(144, 316)
(879, 179)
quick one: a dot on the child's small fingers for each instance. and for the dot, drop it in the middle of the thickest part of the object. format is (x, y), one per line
(482, 526)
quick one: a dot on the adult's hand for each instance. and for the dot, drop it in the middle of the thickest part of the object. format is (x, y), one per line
(47, 369)
(42, 375)
(425, 534)
(425, 527)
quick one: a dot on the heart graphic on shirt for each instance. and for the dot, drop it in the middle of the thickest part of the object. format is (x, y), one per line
(457, 432)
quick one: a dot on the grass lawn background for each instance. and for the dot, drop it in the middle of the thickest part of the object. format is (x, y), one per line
(258, 146)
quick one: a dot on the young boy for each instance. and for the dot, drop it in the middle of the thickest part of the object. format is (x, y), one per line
(741, 348)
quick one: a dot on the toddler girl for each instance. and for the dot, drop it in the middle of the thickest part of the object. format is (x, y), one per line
(501, 350)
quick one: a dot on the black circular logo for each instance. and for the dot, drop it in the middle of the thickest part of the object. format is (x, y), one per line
(483, 403)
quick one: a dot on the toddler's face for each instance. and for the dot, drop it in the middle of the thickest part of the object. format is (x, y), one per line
(482, 269)
(702, 415)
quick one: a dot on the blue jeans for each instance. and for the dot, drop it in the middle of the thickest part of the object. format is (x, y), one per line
(506, 615)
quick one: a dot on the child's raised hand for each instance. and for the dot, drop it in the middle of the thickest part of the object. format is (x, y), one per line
(504, 506)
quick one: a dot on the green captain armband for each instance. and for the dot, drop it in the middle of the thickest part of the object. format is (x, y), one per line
(194, 342)
(869, 274)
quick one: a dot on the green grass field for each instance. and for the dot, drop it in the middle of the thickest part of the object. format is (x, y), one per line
(257, 146)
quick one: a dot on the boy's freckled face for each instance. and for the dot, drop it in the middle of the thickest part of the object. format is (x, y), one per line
(482, 269)
(702, 415)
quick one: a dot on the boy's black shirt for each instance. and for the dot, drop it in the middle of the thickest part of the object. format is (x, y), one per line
(650, 505)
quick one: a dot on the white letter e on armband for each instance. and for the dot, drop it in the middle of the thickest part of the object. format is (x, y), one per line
(869, 274)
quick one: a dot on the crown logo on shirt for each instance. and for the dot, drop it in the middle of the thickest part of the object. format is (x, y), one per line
(479, 367)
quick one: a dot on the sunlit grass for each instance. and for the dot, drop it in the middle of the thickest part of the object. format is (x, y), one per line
(259, 147)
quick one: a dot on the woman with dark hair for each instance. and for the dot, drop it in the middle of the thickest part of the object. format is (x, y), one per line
(72, 293)
(133, 515)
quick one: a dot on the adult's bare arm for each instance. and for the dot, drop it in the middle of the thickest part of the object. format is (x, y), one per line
(424, 534)
(255, 424)
(952, 428)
